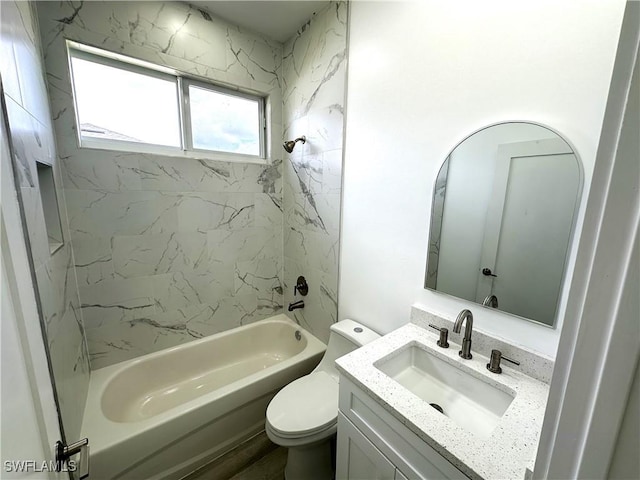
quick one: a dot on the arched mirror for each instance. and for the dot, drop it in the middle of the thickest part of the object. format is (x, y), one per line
(503, 214)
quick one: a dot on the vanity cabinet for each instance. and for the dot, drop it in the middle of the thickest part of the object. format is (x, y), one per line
(361, 458)
(372, 444)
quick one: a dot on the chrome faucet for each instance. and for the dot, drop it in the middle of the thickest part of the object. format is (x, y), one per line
(490, 301)
(466, 341)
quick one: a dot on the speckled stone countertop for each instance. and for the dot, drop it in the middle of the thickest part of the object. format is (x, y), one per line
(511, 446)
(532, 363)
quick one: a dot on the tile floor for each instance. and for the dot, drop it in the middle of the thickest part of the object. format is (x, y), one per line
(256, 459)
(269, 467)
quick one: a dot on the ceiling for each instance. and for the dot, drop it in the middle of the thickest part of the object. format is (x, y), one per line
(276, 19)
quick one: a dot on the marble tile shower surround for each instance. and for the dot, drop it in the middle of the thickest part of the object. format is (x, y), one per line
(32, 136)
(314, 75)
(167, 250)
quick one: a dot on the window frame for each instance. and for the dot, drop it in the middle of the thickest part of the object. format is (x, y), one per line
(182, 82)
(187, 131)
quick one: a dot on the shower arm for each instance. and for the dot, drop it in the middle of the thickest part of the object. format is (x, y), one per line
(290, 144)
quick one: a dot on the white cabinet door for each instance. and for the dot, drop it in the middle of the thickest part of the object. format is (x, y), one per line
(403, 448)
(358, 458)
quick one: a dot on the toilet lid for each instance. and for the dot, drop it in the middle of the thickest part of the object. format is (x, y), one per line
(305, 406)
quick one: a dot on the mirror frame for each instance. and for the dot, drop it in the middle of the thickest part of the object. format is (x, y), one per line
(571, 248)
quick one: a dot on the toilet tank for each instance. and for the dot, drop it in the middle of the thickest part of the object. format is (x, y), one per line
(344, 337)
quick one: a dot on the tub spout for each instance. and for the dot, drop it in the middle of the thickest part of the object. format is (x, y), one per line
(295, 305)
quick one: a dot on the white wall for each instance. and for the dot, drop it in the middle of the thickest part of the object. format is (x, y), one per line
(592, 380)
(424, 75)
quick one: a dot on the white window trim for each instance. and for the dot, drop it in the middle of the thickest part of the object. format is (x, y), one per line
(182, 81)
(185, 83)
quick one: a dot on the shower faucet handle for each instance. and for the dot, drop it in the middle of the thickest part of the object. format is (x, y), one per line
(301, 287)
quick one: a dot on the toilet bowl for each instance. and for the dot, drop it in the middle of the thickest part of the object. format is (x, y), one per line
(303, 415)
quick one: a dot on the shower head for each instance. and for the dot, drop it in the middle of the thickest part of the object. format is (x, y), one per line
(290, 144)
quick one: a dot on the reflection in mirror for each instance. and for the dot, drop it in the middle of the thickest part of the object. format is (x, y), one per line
(503, 212)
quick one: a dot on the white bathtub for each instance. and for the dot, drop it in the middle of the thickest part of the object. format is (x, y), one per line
(164, 414)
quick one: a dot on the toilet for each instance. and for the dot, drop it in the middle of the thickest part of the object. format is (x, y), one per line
(303, 415)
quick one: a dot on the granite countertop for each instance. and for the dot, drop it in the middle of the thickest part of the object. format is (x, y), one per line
(512, 445)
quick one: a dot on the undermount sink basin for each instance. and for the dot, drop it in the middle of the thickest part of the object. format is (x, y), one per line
(468, 401)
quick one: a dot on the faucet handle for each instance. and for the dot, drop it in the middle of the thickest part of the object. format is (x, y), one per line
(301, 286)
(444, 336)
(494, 362)
(510, 361)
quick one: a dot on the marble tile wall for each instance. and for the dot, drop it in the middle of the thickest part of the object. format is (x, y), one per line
(31, 131)
(435, 231)
(314, 76)
(167, 250)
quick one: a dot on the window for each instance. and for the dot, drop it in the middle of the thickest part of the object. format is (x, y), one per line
(120, 105)
(129, 105)
(224, 121)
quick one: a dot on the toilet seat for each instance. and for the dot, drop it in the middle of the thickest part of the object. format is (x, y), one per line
(306, 406)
